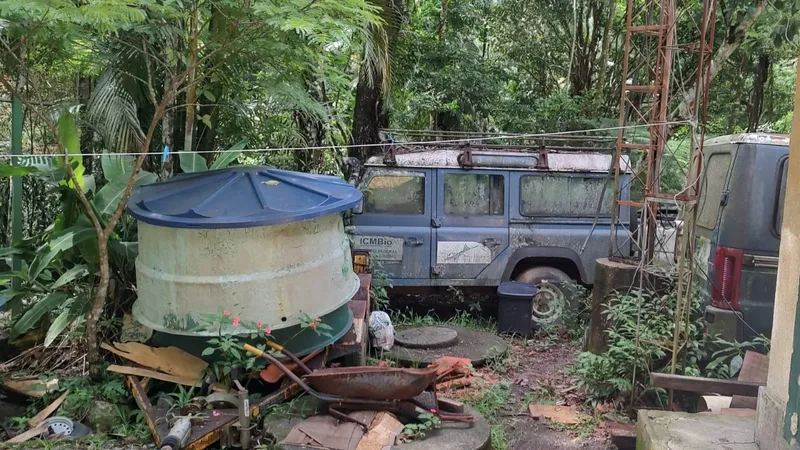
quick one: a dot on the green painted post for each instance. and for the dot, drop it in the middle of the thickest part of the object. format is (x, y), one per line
(16, 197)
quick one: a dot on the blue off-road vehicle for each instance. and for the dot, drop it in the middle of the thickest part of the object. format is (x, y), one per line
(478, 217)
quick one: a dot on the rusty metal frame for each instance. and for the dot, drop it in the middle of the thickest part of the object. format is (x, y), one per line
(649, 47)
(212, 429)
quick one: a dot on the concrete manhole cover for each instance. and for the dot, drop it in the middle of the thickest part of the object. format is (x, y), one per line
(426, 337)
(477, 346)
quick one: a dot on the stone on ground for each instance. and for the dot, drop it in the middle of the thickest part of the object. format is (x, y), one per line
(477, 346)
(103, 416)
(454, 436)
(426, 337)
(667, 430)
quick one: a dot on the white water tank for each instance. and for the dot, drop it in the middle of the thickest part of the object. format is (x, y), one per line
(265, 244)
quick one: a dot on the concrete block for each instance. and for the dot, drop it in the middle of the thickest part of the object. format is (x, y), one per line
(667, 430)
(608, 276)
(769, 421)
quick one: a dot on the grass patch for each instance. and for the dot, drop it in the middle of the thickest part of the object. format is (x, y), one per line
(542, 395)
(461, 318)
(583, 430)
(489, 403)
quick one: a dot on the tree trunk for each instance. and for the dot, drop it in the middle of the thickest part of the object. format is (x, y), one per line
(602, 69)
(191, 87)
(207, 136)
(367, 116)
(442, 22)
(369, 112)
(686, 107)
(167, 130)
(756, 105)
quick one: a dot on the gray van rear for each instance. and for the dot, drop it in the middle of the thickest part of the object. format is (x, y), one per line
(738, 232)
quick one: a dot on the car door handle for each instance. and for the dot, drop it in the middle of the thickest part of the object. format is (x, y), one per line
(490, 242)
(413, 242)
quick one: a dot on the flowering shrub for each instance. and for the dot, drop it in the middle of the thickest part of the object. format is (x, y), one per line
(228, 347)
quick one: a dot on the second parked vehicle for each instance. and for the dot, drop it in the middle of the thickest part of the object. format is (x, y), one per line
(739, 230)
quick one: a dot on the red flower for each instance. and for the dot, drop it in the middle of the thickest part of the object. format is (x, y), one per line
(236, 321)
(318, 320)
(268, 330)
(312, 325)
(258, 324)
(226, 313)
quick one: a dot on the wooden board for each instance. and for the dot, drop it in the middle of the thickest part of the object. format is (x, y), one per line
(754, 367)
(740, 401)
(705, 385)
(382, 432)
(139, 372)
(50, 409)
(170, 360)
(28, 435)
(561, 414)
(31, 387)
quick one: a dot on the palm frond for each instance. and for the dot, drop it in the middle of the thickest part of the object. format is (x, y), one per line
(112, 113)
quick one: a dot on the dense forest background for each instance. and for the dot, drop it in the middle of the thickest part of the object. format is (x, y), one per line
(322, 73)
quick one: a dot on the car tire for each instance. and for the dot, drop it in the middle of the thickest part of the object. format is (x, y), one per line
(554, 294)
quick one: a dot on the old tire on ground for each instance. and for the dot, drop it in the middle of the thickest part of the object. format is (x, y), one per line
(553, 297)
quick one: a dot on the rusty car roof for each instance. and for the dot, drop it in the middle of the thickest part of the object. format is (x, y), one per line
(556, 161)
(750, 138)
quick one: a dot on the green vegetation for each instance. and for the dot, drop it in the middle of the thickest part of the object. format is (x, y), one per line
(640, 337)
(489, 402)
(459, 319)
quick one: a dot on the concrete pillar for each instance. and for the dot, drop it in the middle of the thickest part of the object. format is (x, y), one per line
(608, 276)
(776, 411)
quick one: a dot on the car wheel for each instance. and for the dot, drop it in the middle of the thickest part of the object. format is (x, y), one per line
(553, 296)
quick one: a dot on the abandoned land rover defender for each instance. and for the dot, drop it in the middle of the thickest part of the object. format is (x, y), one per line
(456, 217)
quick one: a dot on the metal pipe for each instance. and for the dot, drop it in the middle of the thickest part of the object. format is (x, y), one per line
(279, 348)
(244, 416)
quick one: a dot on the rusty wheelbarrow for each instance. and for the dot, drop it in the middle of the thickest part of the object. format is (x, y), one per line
(364, 387)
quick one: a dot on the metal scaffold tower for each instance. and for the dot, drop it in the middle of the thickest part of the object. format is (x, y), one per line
(660, 63)
(646, 142)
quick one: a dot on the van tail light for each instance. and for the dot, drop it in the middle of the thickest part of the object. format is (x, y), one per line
(727, 274)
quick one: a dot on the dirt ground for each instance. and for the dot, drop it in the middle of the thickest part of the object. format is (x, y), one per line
(537, 373)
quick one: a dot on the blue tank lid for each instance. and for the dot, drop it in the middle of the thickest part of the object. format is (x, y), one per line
(241, 197)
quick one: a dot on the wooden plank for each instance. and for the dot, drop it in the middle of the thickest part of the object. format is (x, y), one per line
(31, 387)
(50, 409)
(139, 372)
(754, 367)
(560, 414)
(171, 360)
(740, 401)
(28, 435)
(705, 385)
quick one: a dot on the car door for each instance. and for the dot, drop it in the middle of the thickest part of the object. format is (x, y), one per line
(395, 221)
(470, 222)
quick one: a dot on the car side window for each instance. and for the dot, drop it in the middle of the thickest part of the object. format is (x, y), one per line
(546, 195)
(474, 194)
(395, 194)
(711, 188)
